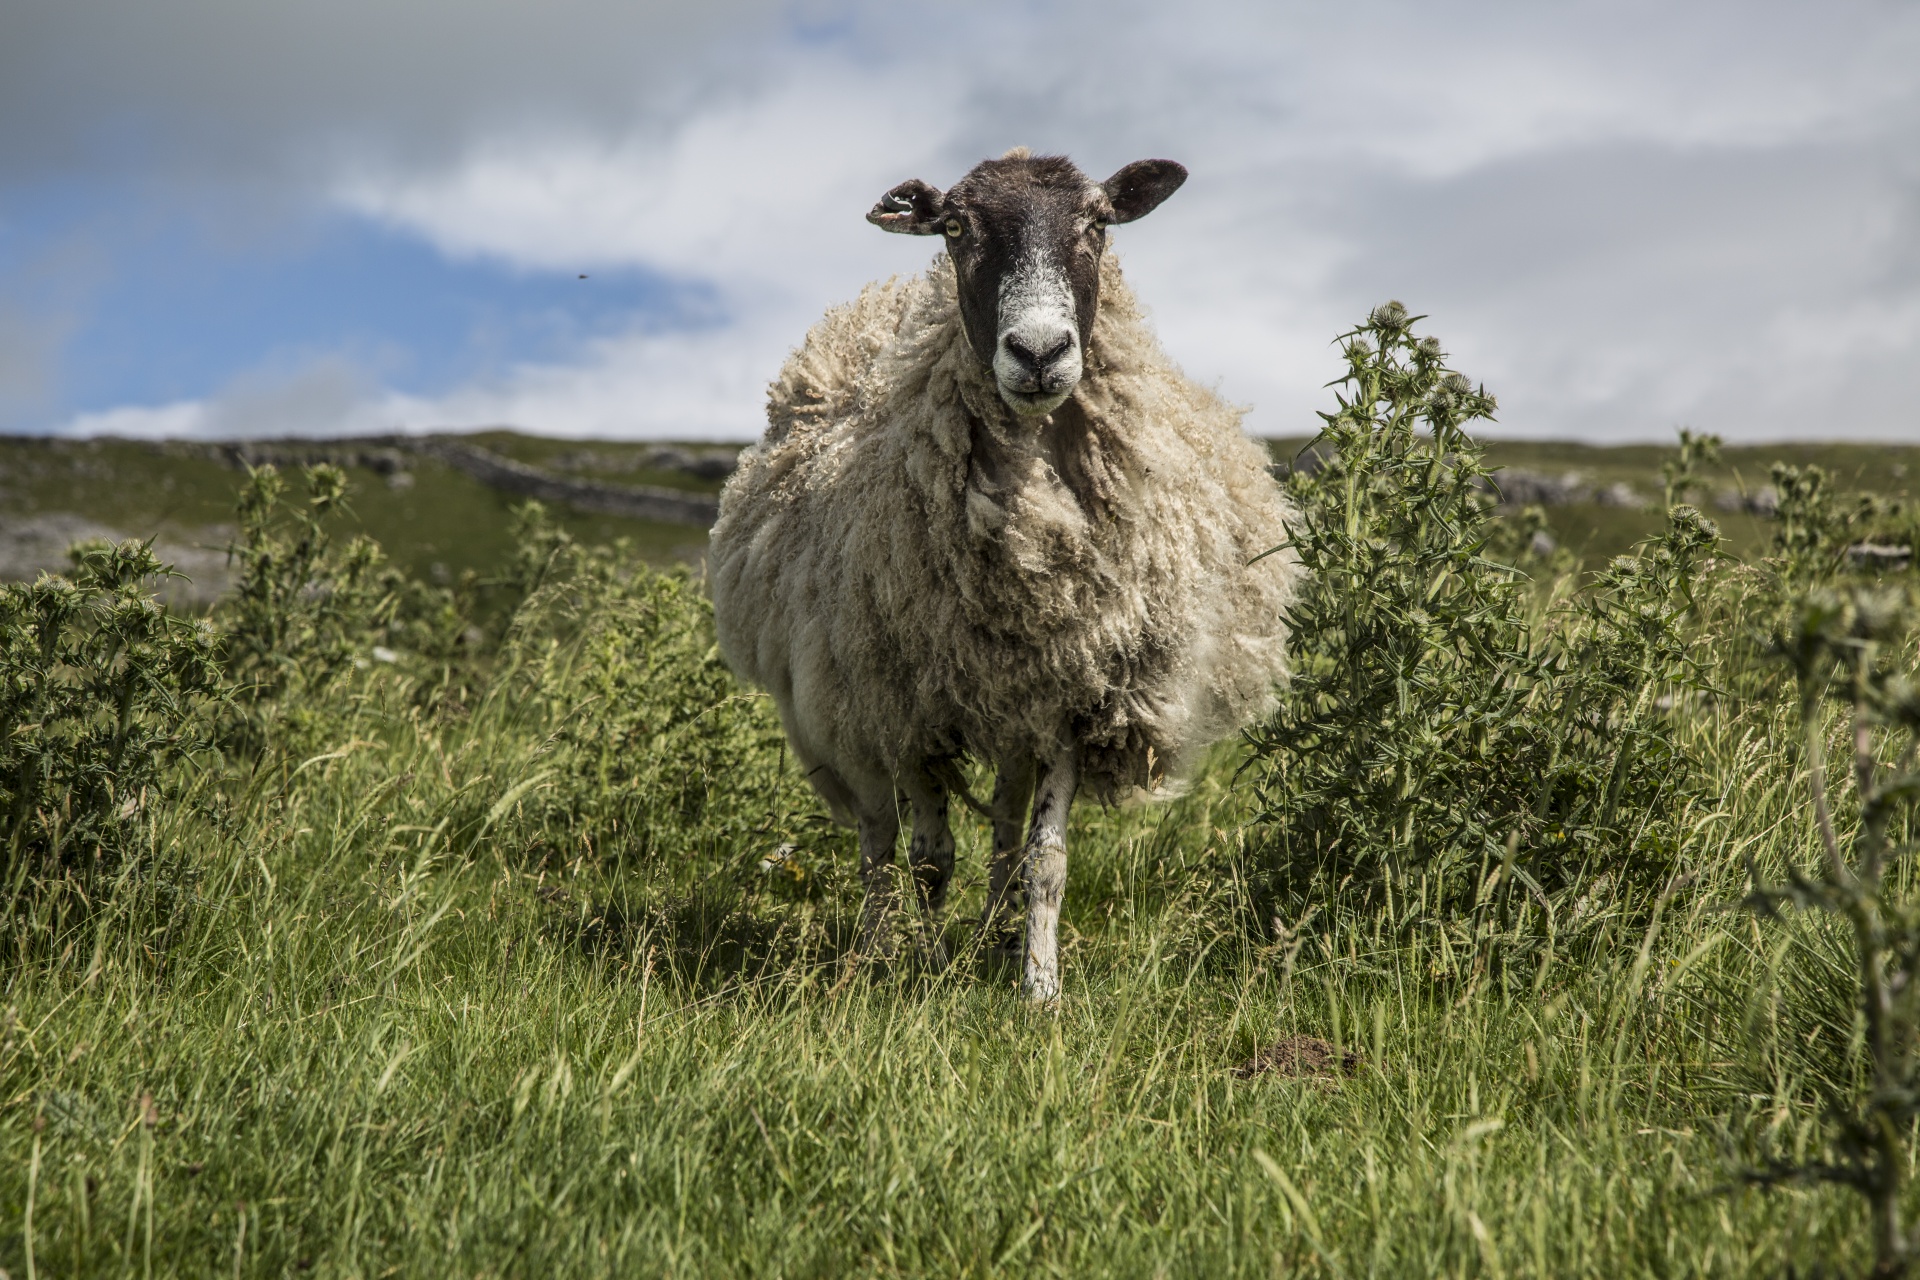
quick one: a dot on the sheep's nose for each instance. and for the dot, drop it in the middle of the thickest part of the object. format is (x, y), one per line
(1037, 355)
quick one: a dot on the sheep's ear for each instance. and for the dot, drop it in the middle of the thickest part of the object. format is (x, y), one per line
(911, 209)
(1138, 189)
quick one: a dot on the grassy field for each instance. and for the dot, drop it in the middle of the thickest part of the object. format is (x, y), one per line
(369, 1053)
(441, 522)
(1594, 532)
(437, 523)
(337, 1039)
(531, 962)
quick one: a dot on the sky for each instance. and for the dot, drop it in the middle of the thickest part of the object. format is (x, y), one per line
(225, 218)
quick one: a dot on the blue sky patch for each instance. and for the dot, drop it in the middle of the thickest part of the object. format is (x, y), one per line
(175, 306)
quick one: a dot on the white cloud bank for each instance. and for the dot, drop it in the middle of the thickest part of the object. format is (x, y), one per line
(1620, 217)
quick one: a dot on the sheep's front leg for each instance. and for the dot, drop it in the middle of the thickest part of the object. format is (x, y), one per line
(879, 830)
(930, 859)
(1046, 868)
(1012, 793)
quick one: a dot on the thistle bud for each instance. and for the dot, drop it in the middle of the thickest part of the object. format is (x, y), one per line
(1876, 614)
(1691, 529)
(1390, 316)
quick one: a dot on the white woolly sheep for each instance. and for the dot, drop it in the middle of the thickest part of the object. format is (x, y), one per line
(990, 519)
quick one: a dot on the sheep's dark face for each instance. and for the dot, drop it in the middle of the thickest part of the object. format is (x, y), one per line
(1025, 234)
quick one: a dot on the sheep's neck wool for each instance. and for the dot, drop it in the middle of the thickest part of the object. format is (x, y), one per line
(932, 575)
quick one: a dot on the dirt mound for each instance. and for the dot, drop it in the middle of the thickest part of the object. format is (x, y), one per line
(1302, 1058)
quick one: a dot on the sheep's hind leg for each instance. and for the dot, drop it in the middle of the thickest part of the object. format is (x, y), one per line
(930, 859)
(1046, 868)
(1012, 793)
(879, 831)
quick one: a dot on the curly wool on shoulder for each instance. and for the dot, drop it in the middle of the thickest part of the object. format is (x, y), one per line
(990, 519)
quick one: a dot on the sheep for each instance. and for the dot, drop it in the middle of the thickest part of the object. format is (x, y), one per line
(990, 519)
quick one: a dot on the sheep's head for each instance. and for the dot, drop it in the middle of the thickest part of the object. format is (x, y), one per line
(1025, 234)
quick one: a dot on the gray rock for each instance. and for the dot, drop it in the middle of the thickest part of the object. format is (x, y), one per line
(1619, 494)
(1764, 502)
(1877, 555)
(31, 545)
(1522, 488)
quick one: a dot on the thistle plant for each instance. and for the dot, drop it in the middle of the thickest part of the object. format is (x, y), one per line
(1815, 524)
(1680, 474)
(99, 686)
(1849, 648)
(1434, 732)
(300, 606)
(657, 755)
(306, 610)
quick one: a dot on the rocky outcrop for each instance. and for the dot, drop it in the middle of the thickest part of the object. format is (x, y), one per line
(30, 545)
(639, 502)
(391, 455)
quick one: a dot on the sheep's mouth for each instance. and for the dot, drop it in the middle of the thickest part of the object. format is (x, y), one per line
(1033, 403)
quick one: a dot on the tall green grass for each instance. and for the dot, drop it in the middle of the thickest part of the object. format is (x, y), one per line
(351, 1047)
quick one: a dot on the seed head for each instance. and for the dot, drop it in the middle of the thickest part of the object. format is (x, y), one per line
(1877, 614)
(1389, 316)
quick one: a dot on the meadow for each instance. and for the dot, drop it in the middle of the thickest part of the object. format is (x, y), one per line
(382, 924)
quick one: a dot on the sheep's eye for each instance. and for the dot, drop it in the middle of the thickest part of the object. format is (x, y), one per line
(953, 228)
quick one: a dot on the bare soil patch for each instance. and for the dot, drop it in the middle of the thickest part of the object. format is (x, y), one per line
(1303, 1058)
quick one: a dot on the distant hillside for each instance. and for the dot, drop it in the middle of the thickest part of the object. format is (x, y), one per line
(425, 500)
(440, 505)
(1601, 499)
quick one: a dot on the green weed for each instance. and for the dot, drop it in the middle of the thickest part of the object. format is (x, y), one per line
(1852, 648)
(99, 691)
(1441, 740)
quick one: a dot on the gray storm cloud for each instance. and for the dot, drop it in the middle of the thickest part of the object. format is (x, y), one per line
(1622, 216)
(203, 87)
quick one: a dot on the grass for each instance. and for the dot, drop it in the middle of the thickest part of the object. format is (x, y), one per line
(620, 461)
(441, 525)
(449, 520)
(1596, 533)
(507, 975)
(330, 1040)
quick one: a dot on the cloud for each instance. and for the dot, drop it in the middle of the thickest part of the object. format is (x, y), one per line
(761, 199)
(1622, 216)
(698, 386)
(29, 345)
(1619, 291)
(319, 396)
(681, 386)
(265, 93)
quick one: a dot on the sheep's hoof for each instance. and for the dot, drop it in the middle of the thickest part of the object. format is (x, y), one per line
(1042, 989)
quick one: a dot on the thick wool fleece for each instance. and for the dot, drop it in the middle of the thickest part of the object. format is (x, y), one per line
(915, 573)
